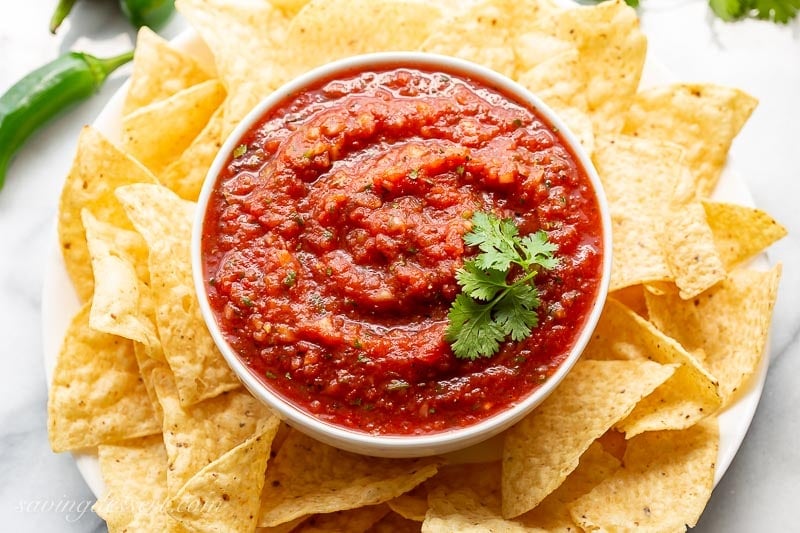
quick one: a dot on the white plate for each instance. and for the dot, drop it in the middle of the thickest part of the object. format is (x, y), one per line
(60, 303)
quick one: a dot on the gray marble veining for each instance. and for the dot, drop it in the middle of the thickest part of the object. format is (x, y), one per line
(41, 491)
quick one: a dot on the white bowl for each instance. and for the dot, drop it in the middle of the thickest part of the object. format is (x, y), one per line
(400, 445)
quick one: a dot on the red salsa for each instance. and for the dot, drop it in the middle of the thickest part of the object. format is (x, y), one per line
(334, 232)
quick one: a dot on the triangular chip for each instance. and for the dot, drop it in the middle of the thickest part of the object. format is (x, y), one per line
(702, 118)
(225, 495)
(413, 504)
(541, 450)
(394, 523)
(186, 113)
(97, 395)
(309, 477)
(159, 71)
(664, 486)
(98, 169)
(135, 475)
(729, 323)
(199, 434)
(741, 232)
(165, 222)
(352, 520)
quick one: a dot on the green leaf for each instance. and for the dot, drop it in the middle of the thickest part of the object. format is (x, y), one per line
(516, 312)
(727, 10)
(781, 11)
(472, 332)
(539, 251)
(481, 284)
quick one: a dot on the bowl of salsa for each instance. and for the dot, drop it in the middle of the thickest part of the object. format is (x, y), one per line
(401, 253)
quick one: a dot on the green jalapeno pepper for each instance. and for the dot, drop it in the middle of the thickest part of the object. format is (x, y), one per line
(151, 13)
(46, 91)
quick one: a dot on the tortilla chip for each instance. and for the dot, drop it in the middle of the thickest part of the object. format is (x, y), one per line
(640, 179)
(309, 477)
(165, 222)
(741, 232)
(147, 365)
(560, 81)
(225, 495)
(480, 33)
(159, 71)
(135, 474)
(242, 34)
(99, 168)
(289, 7)
(286, 527)
(326, 30)
(729, 323)
(394, 523)
(97, 395)
(553, 514)
(197, 435)
(632, 297)
(612, 52)
(186, 113)
(413, 504)
(353, 521)
(664, 486)
(691, 252)
(580, 124)
(115, 304)
(542, 449)
(185, 175)
(702, 118)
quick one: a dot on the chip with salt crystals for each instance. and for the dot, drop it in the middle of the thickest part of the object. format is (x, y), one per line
(559, 80)
(115, 252)
(186, 113)
(225, 494)
(352, 520)
(185, 175)
(326, 30)
(741, 232)
(98, 169)
(702, 118)
(664, 485)
(97, 395)
(159, 71)
(541, 450)
(247, 39)
(165, 222)
(688, 396)
(135, 475)
(199, 434)
(729, 323)
(308, 477)
(480, 33)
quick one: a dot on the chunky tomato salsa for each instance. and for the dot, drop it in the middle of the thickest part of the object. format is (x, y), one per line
(333, 235)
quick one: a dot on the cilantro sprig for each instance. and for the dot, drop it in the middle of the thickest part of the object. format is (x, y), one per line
(779, 11)
(491, 308)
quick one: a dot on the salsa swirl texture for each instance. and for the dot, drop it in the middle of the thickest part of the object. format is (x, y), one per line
(334, 233)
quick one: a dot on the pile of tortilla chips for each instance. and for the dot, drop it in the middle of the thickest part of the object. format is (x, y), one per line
(628, 441)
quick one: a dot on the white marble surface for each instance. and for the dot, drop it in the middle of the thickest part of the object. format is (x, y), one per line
(41, 491)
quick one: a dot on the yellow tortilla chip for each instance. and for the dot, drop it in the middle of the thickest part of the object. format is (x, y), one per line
(165, 222)
(115, 304)
(159, 71)
(98, 169)
(729, 323)
(552, 514)
(691, 252)
(688, 396)
(632, 297)
(326, 30)
(241, 36)
(185, 175)
(186, 113)
(560, 81)
(580, 124)
(741, 232)
(413, 504)
(197, 435)
(289, 7)
(225, 495)
(664, 486)
(135, 475)
(702, 118)
(612, 51)
(309, 477)
(97, 395)
(480, 33)
(394, 523)
(541, 450)
(147, 365)
(353, 520)
(640, 179)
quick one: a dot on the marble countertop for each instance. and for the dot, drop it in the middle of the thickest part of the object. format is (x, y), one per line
(41, 491)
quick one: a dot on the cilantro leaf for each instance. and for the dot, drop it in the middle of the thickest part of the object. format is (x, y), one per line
(781, 11)
(489, 308)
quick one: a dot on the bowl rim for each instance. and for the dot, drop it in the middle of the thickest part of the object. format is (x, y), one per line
(399, 445)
